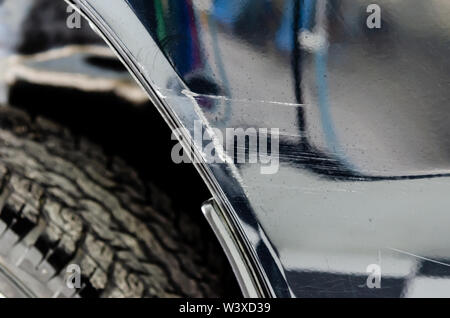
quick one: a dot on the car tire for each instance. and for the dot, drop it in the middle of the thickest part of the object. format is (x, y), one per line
(65, 205)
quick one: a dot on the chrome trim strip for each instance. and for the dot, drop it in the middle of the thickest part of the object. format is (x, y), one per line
(233, 249)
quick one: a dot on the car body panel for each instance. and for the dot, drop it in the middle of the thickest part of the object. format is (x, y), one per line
(360, 189)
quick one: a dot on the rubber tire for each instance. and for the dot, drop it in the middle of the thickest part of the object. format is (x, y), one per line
(63, 202)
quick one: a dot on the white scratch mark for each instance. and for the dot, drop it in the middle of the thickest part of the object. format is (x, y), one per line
(418, 256)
